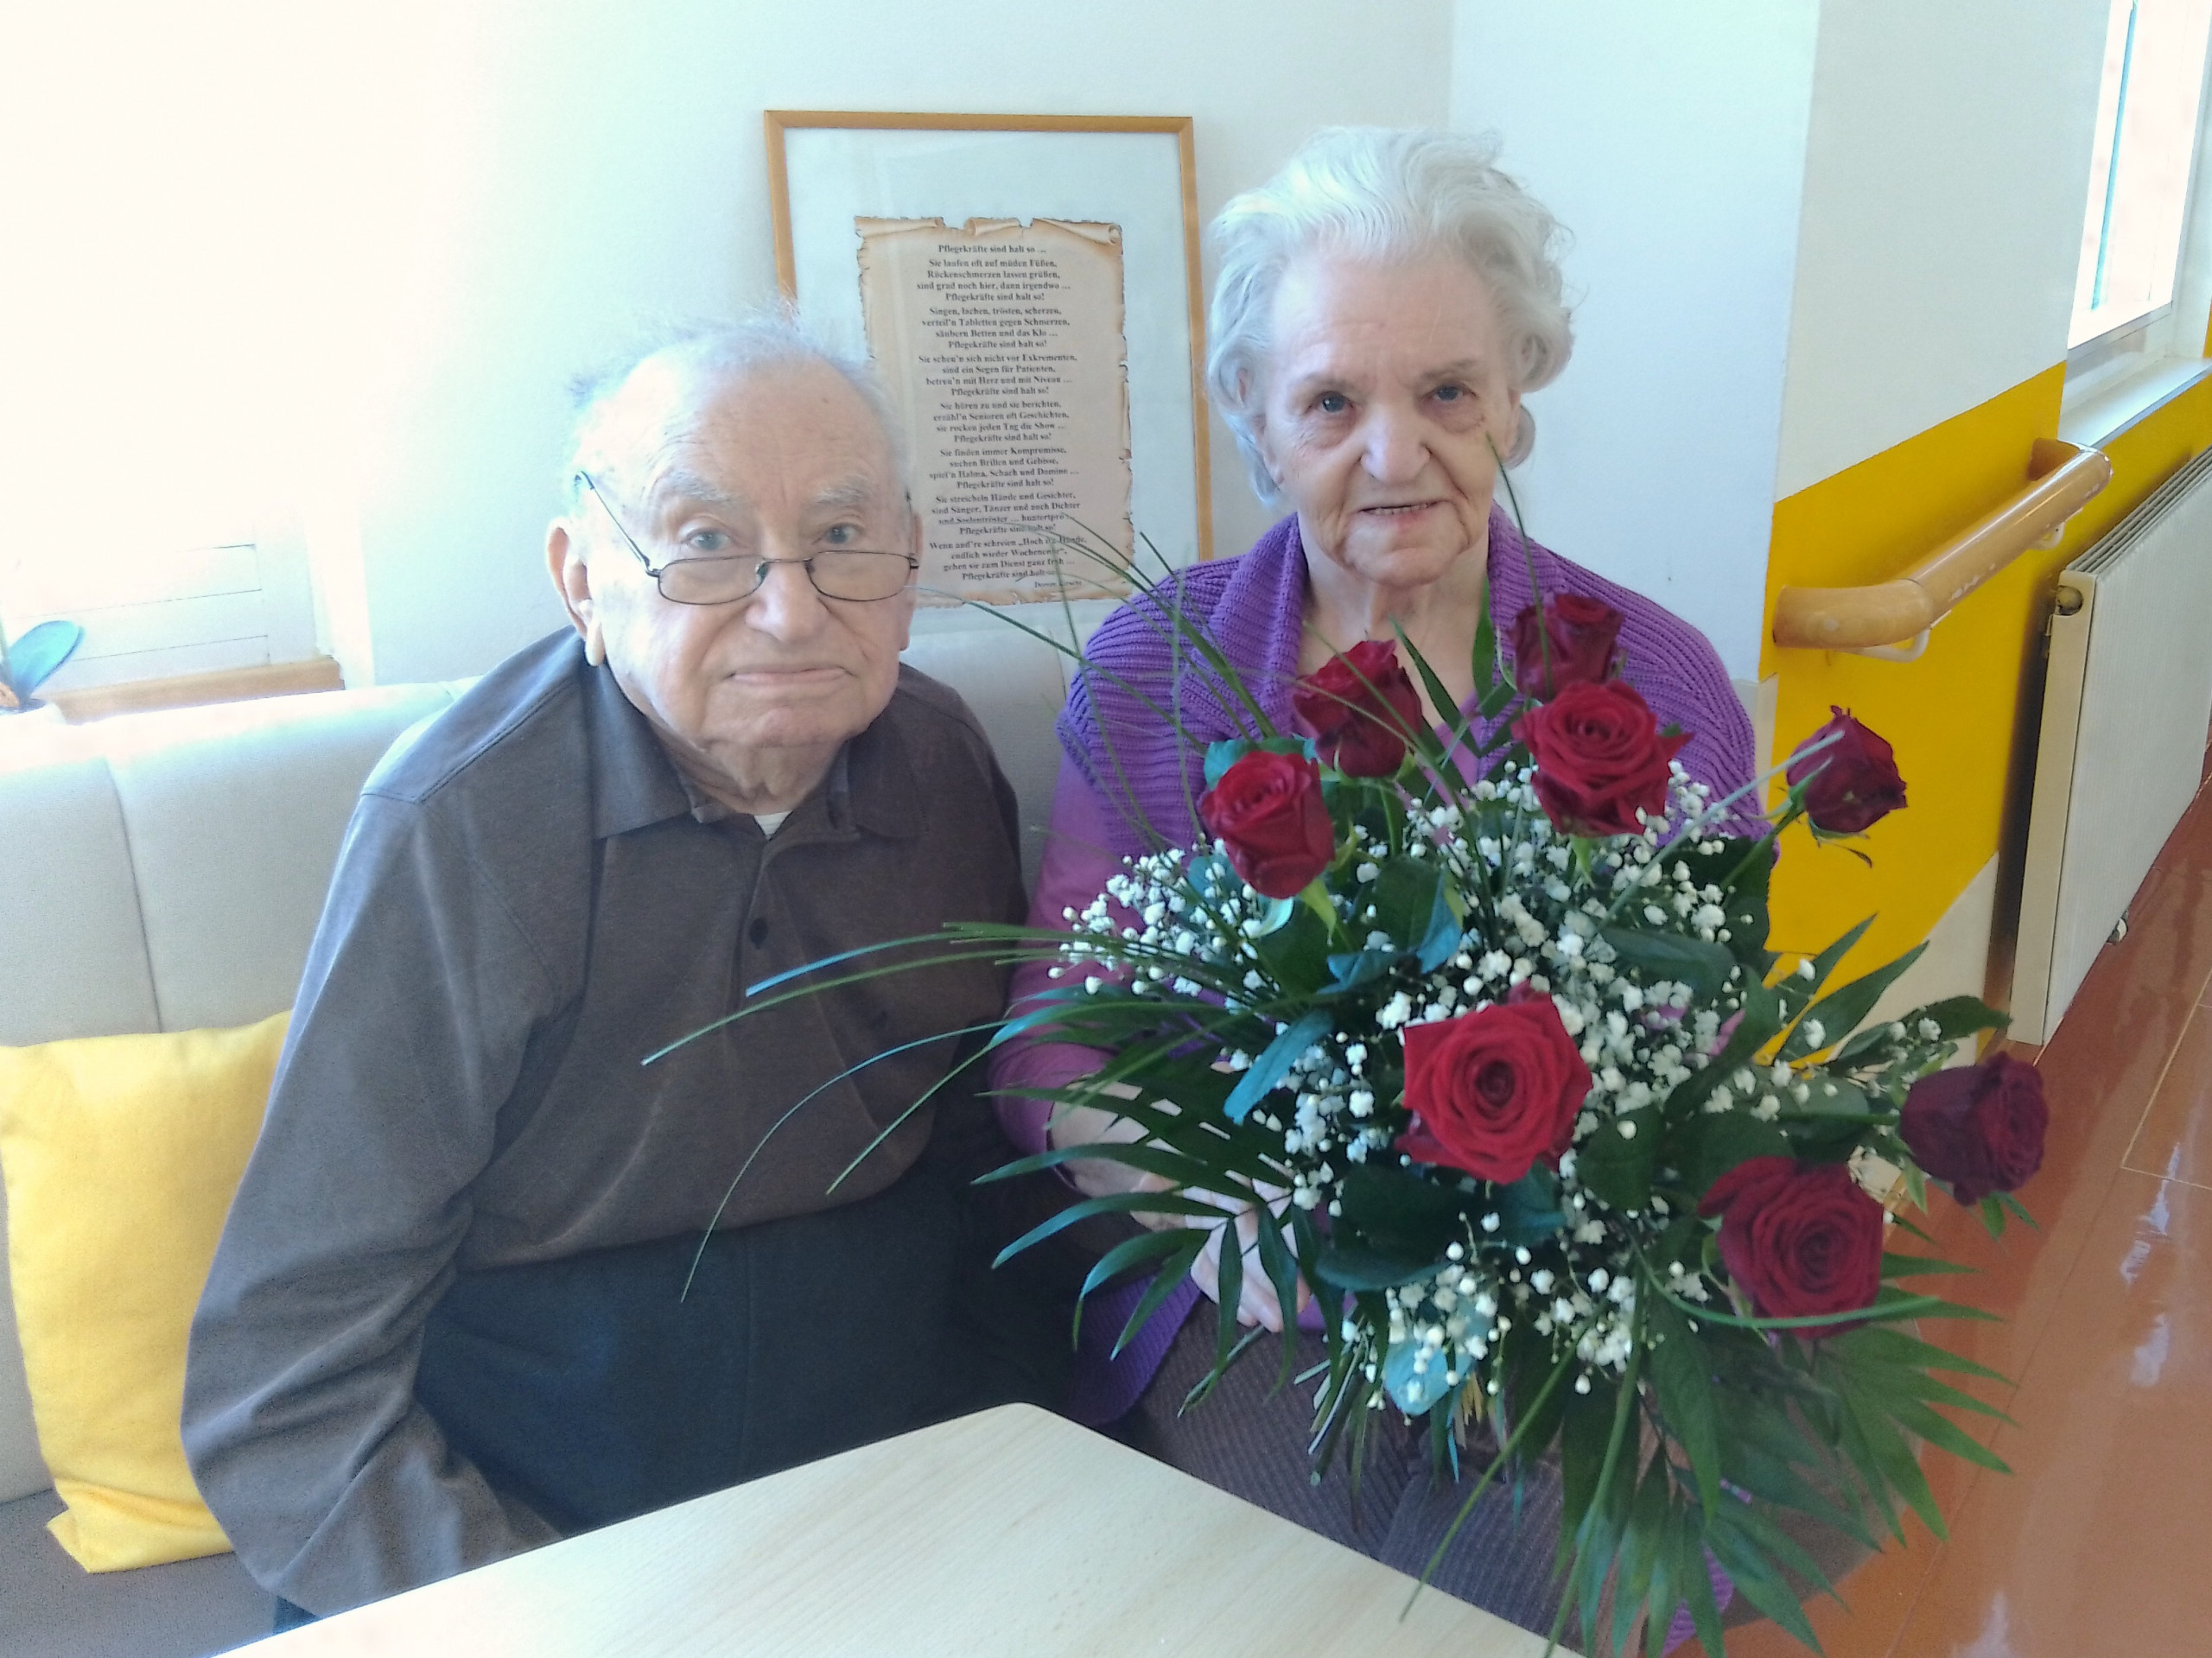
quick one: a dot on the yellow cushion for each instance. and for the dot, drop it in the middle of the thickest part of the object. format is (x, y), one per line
(121, 1154)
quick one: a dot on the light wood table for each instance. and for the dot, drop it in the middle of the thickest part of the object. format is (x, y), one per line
(1006, 1533)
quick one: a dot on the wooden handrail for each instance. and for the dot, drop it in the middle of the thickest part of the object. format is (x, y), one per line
(2062, 478)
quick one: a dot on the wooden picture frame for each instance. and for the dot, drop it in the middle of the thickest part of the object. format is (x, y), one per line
(846, 185)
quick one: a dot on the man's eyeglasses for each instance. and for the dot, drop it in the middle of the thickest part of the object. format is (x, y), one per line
(836, 573)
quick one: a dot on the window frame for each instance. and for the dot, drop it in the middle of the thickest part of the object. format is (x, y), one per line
(2098, 348)
(2116, 377)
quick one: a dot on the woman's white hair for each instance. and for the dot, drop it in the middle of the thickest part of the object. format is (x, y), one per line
(772, 337)
(1384, 193)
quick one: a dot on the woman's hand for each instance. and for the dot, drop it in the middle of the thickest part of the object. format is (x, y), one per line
(1085, 1125)
(1257, 1302)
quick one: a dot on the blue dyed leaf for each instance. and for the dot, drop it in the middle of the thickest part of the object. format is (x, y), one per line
(1224, 754)
(1272, 1065)
(1443, 935)
(1348, 969)
(1416, 1392)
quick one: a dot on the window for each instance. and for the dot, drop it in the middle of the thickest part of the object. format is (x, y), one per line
(236, 595)
(176, 307)
(2139, 174)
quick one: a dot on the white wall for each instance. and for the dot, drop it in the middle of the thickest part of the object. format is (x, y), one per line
(1670, 140)
(587, 163)
(1945, 175)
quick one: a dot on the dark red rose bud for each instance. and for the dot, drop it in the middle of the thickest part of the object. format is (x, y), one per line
(1978, 1128)
(1800, 1239)
(1569, 642)
(1493, 1091)
(1266, 812)
(1854, 778)
(1360, 706)
(1600, 757)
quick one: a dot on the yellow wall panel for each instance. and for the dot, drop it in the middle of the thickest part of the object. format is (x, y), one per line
(1953, 716)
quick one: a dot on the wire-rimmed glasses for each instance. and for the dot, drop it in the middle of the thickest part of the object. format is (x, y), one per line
(848, 572)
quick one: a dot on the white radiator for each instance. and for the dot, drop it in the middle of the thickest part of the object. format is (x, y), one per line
(2127, 703)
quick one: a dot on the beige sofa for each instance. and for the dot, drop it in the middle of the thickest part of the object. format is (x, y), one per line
(164, 873)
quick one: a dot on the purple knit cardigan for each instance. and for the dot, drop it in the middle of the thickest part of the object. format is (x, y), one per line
(1253, 610)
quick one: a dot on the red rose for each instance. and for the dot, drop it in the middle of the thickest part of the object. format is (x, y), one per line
(1978, 1128)
(1854, 778)
(1798, 1239)
(1599, 756)
(1569, 642)
(1360, 707)
(1267, 813)
(1493, 1091)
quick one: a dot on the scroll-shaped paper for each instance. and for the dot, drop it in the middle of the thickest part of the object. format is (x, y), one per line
(1001, 346)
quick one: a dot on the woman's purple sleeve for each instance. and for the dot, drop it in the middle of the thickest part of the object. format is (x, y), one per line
(1076, 868)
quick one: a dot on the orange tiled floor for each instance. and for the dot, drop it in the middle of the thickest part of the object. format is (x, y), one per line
(2095, 1543)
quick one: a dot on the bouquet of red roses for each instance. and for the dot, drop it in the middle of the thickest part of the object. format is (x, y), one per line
(1568, 1151)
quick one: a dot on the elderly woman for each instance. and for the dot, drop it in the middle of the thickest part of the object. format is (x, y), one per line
(1382, 307)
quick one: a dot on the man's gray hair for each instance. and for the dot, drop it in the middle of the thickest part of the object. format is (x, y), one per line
(1386, 194)
(771, 337)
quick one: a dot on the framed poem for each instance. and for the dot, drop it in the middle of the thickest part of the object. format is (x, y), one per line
(1028, 287)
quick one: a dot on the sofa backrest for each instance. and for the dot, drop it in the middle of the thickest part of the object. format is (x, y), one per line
(165, 872)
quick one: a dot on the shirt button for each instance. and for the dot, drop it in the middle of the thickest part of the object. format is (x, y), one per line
(758, 932)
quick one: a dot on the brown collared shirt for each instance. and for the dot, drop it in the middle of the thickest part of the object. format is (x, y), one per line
(527, 904)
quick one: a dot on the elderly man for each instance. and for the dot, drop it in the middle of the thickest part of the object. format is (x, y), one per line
(489, 1279)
